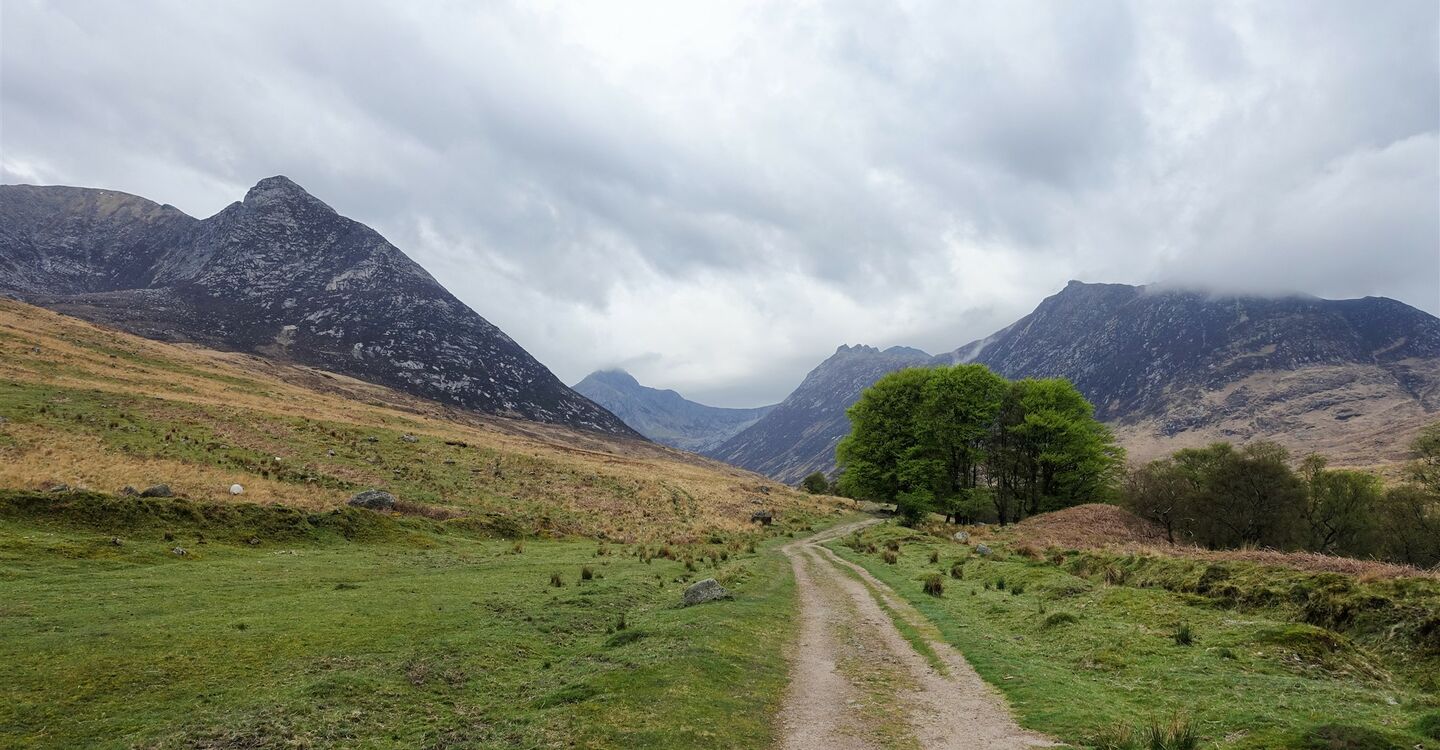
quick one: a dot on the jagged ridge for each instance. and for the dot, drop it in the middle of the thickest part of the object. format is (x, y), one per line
(282, 274)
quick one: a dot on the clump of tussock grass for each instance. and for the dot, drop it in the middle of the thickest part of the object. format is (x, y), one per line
(1183, 635)
(557, 580)
(890, 557)
(1176, 734)
(586, 573)
(1017, 589)
(934, 556)
(957, 571)
(934, 584)
(1060, 618)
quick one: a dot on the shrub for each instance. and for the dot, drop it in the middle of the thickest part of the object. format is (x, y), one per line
(586, 573)
(934, 585)
(556, 580)
(957, 571)
(1183, 636)
(890, 557)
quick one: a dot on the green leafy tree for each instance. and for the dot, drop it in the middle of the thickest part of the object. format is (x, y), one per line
(882, 437)
(816, 483)
(1164, 492)
(1246, 497)
(1339, 507)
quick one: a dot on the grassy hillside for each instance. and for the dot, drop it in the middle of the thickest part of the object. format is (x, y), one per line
(1089, 644)
(346, 627)
(92, 408)
(526, 596)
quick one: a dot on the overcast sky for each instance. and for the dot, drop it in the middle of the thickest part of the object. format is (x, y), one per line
(715, 196)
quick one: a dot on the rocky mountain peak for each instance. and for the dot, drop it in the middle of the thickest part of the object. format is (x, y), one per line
(280, 274)
(281, 191)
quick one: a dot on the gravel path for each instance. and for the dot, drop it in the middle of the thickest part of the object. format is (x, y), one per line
(857, 683)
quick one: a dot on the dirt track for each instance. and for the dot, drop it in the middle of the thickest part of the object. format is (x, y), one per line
(857, 683)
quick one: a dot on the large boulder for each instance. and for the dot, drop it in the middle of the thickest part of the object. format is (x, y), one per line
(708, 590)
(373, 500)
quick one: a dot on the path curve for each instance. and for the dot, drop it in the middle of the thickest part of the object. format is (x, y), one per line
(856, 683)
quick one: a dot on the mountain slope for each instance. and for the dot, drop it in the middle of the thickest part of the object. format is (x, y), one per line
(664, 415)
(95, 408)
(1173, 367)
(279, 273)
(799, 435)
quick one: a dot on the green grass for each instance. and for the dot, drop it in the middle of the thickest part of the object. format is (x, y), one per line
(418, 634)
(1111, 666)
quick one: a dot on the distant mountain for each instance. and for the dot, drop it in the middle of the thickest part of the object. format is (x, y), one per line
(280, 274)
(799, 435)
(1170, 368)
(666, 416)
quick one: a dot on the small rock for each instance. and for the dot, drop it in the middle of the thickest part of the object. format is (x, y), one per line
(115, 541)
(58, 487)
(179, 552)
(410, 438)
(708, 590)
(371, 439)
(254, 540)
(982, 550)
(449, 462)
(159, 490)
(330, 452)
(373, 500)
(129, 491)
(236, 489)
(962, 537)
(762, 517)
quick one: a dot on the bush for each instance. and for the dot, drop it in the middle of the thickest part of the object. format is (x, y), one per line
(1183, 636)
(890, 557)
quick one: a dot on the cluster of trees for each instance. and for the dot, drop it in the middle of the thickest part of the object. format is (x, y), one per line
(1224, 497)
(968, 443)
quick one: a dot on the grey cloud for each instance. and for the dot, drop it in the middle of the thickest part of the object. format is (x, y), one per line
(721, 203)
